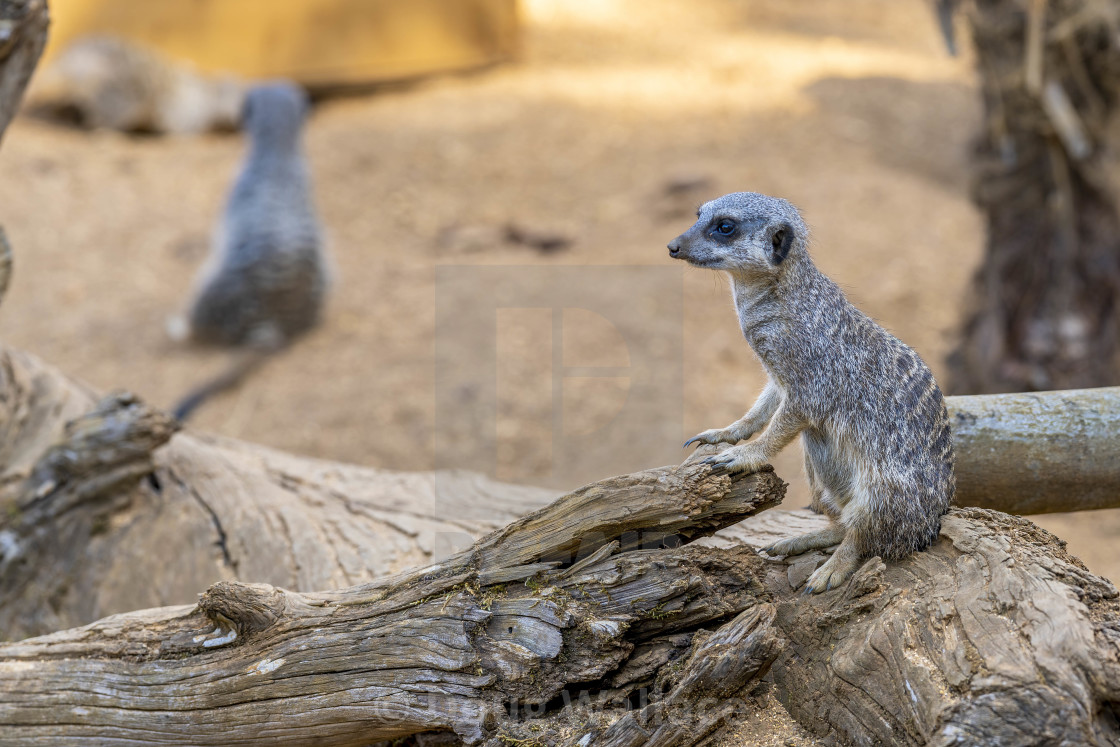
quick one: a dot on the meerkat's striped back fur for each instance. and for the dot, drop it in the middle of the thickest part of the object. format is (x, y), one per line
(872, 420)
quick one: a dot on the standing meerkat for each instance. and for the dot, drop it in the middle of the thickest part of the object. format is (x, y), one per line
(873, 423)
(267, 278)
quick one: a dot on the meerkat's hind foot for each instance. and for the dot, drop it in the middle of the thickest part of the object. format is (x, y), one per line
(831, 535)
(836, 570)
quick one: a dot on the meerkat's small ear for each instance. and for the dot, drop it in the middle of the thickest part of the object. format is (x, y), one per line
(781, 240)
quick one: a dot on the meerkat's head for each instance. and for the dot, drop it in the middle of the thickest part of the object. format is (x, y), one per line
(274, 112)
(743, 233)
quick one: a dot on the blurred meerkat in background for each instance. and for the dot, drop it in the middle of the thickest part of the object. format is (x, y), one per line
(267, 278)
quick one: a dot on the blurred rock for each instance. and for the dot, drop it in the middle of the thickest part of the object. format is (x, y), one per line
(466, 239)
(681, 194)
(103, 82)
(543, 240)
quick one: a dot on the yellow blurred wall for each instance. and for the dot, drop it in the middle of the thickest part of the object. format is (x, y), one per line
(315, 42)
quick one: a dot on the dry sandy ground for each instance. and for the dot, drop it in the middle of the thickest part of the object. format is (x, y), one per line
(449, 345)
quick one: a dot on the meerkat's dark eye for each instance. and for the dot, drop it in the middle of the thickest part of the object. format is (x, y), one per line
(778, 238)
(725, 228)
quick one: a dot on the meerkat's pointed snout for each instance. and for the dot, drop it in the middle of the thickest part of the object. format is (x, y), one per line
(681, 247)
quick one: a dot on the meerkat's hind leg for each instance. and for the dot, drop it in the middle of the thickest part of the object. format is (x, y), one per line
(837, 569)
(827, 537)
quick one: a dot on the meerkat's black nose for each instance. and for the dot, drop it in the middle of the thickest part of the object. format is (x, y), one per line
(674, 248)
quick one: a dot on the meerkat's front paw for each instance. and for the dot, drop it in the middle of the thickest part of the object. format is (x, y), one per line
(715, 436)
(737, 459)
(835, 571)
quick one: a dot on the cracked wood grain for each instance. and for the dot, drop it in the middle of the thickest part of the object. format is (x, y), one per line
(995, 635)
(967, 641)
(431, 648)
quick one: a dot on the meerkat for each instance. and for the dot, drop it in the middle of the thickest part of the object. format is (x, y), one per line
(267, 277)
(872, 420)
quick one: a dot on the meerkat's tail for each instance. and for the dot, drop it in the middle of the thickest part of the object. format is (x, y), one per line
(243, 363)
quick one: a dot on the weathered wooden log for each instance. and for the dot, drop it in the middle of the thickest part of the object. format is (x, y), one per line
(441, 647)
(106, 520)
(719, 667)
(227, 511)
(1038, 452)
(1033, 453)
(258, 478)
(994, 635)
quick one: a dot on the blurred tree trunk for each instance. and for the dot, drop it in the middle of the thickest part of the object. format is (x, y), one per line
(23, 34)
(1046, 301)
